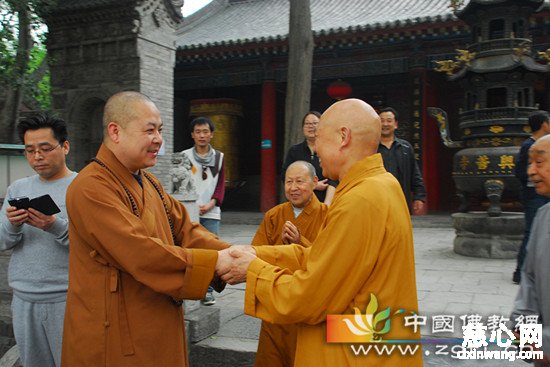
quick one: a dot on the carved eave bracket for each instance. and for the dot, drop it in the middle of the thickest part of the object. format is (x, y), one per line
(443, 125)
(462, 60)
(163, 11)
(545, 55)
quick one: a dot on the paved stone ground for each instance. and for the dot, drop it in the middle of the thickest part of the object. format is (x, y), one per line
(448, 284)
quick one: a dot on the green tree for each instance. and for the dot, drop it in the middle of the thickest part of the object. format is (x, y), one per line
(23, 61)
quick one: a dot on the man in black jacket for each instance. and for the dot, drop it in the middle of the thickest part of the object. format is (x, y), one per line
(399, 160)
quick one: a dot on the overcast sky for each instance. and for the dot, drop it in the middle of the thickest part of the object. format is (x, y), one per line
(191, 6)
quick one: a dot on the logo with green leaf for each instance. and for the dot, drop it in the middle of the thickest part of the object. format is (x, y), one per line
(372, 325)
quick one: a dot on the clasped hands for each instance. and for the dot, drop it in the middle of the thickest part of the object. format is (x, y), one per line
(233, 262)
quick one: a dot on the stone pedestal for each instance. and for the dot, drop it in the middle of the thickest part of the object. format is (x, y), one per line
(479, 235)
(191, 206)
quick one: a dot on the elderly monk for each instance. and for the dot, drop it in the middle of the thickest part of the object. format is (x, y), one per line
(134, 252)
(365, 247)
(533, 297)
(296, 221)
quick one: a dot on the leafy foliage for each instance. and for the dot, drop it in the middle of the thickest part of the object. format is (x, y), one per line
(35, 86)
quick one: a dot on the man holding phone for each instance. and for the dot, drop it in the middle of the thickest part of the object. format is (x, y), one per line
(38, 269)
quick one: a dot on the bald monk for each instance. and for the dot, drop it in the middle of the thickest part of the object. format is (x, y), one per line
(134, 253)
(364, 247)
(296, 221)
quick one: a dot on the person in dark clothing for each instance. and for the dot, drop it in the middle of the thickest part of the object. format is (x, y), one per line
(540, 126)
(305, 151)
(399, 160)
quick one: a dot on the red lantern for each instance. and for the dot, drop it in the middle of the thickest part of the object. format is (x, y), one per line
(339, 90)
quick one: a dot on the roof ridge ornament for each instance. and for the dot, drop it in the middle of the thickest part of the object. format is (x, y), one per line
(456, 5)
(545, 55)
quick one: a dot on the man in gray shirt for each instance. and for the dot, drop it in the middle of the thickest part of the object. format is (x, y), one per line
(38, 269)
(534, 294)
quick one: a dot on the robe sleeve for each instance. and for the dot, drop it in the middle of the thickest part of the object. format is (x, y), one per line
(10, 235)
(292, 257)
(190, 234)
(527, 302)
(304, 241)
(261, 238)
(526, 299)
(338, 262)
(123, 242)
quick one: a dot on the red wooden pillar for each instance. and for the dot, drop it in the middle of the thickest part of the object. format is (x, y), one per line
(430, 142)
(268, 175)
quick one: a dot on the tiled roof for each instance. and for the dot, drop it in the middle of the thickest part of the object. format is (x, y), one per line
(224, 21)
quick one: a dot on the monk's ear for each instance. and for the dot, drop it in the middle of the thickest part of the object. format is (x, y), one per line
(113, 131)
(345, 136)
(315, 180)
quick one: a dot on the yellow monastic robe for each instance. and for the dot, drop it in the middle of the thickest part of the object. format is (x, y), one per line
(277, 343)
(365, 247)
(125, 272)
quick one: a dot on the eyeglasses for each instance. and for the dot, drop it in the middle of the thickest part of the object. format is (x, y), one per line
(42, 150)
(204, 174)
(311, 123)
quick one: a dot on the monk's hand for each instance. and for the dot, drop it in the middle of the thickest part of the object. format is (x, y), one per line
(17, 216)
(40, 220)
(290, 233)
(321, 185)
(223, 264)
(418, 207)
(247, 248)
(239, 265)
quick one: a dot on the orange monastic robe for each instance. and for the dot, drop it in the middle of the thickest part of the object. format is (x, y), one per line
(277, 343)
(365, 247)
(125, 271)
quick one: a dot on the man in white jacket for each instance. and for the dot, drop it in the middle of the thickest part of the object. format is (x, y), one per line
(208, 171)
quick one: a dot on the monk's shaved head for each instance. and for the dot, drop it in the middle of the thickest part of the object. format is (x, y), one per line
(306, 166)
(349, 131)
(359, 117)
(542, 145)
(300, 181)
(539, 165)
(120, 108)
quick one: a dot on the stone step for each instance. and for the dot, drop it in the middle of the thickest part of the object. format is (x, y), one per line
(220, 351)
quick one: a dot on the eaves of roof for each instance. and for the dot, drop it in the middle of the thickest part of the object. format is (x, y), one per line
(225, 23)
(499, 64)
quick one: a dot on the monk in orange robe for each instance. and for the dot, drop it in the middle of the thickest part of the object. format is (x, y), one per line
(364, 247)
(296, 221)
(134, 253)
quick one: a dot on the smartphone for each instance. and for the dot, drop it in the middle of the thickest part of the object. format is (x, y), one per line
(21, 202)
(43, 204)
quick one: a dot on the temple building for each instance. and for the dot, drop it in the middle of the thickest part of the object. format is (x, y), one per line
(229, 61)
(233, 53)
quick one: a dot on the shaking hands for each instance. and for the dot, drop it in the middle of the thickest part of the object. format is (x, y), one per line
(233, 263)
